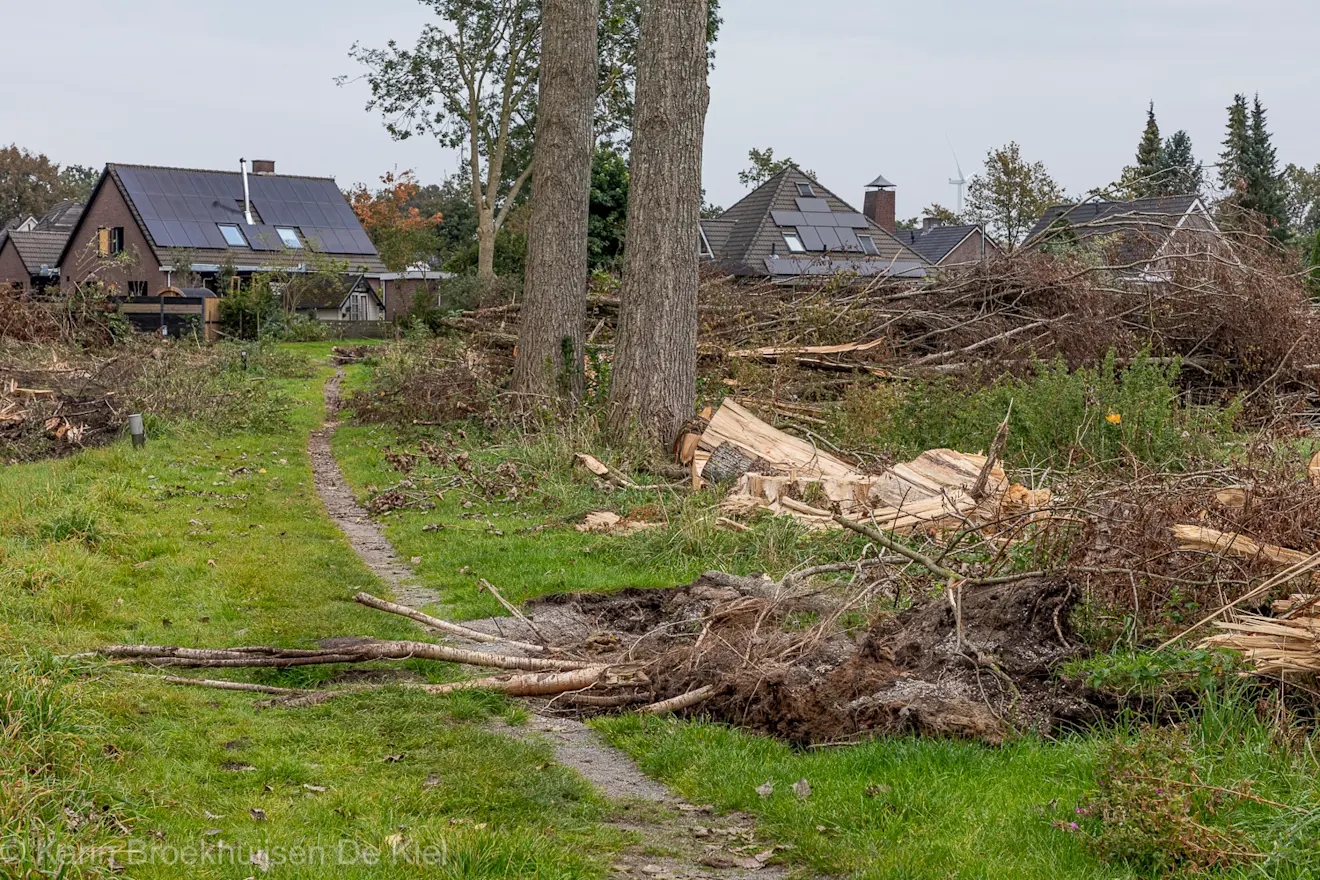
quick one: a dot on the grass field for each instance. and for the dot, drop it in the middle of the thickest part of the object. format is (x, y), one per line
(209, 540)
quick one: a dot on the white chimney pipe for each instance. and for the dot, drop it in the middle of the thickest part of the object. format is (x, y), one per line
(247, 197)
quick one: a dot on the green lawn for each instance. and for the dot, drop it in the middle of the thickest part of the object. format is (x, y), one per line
(215, 541)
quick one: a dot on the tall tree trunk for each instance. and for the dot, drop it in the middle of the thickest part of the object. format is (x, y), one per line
(485, 247)
(550, 335)
(655, 360)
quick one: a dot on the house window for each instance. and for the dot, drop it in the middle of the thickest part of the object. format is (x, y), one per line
(868, 244)
(110, 241)
(137, 288)
(794, 243)
(805, 190)
(289, 236)
(233, 235)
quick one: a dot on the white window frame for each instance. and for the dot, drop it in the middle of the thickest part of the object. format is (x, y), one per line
(810, 191)
(242, 239)
(292, 234)
(874, 250)
(793, 242)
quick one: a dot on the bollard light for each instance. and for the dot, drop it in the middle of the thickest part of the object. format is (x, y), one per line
(137, 431)
(244, 355)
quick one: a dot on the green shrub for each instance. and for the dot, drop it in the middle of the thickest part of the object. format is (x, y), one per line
(1105, 415)
(301, 328)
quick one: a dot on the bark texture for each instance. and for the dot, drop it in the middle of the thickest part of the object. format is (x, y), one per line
(655, 362)
(551, 334)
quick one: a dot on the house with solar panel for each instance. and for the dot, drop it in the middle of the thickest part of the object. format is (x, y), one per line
(190, 223)
(791, 228)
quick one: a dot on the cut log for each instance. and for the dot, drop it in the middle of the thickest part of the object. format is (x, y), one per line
(726, 464)
(1192, 537)
(536, 685)
(735, 425)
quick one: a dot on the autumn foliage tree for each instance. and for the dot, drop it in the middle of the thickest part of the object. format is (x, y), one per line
(402, 234)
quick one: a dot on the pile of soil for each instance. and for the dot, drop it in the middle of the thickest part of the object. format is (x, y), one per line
(817, 684)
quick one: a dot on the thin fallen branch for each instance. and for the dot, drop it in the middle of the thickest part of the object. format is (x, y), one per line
(509, 607)
(243, 686)
(455, 629)
(926, 562)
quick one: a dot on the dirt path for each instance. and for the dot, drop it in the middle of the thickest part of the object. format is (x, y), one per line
(678, 841)
(368, 541)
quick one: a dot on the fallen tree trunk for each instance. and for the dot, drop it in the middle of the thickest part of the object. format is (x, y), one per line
(240, 658)
(542, 684)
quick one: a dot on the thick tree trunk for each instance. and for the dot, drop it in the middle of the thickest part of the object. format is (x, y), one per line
(486, 248)
(551, 335)
(655, 362)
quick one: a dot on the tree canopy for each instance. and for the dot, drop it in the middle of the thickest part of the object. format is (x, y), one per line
(1249, 169)
(31, 184)
(1011, 194)
(764, 166)
(402, 234)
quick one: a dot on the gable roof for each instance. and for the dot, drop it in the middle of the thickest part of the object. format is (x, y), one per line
(63, 216)
(181, 210)
(748, 238)
(37, 249)
(332, 293)
(937, 242)
(1153, 217)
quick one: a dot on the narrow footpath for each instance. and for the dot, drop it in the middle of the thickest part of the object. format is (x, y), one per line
(679, 841)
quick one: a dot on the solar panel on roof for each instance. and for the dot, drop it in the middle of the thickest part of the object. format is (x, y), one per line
(849, 239)
(851, 219)
(830, 236)
(810, 238)
(787, 218)
(159, 234)
(819, 206)
(819, 218)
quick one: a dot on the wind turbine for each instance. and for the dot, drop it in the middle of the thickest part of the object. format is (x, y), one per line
(960, 181)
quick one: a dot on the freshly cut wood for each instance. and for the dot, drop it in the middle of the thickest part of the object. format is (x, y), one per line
(1313, 469)
(1191, 537)
(737, 426)
(1297, 605)
(454, 629)
(776, 351)
(1233, 499)
(1273, 646)
(607, 522)
(536, 685)
(726, 464)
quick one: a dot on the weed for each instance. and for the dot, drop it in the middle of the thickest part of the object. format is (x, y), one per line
(72, 525)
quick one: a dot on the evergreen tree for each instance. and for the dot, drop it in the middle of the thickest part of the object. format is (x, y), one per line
(1150, 158)
(1265, 183)
(1235, 160)
(1181, 173)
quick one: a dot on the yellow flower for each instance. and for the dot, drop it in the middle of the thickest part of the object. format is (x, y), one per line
(1114, 418)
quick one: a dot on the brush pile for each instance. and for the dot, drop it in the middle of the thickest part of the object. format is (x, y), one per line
(1273, 646)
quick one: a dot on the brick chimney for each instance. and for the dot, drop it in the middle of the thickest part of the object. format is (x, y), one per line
(880, 205)
(263, 166)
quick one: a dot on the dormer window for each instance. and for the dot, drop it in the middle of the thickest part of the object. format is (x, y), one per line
(805, 191)
(289, 236)
(233, 235)
(794, 243)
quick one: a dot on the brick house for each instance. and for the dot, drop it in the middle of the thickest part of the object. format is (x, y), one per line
(145, 225)
(29, 260)
(950, 246)
(400, 289)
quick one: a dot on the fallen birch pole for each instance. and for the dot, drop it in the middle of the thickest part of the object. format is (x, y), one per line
(453, 629)
(161, 655)
(541, 684)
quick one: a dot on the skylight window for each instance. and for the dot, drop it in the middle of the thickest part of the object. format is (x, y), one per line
(289, 236)
(805, 191)
(868, 244)
(233, 235)
(794, 242)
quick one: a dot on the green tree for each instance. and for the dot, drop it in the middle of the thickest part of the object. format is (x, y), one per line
(1150, 157)
(31, 184)
(1180, 173)
(469, 82)
(765, 166)
(79, 181)
(1235, 161)
(1010, 194)
(608, 216)
(1269, 195)
(944, 216)
(1302, 187)
(1313, 264)
(452, 200)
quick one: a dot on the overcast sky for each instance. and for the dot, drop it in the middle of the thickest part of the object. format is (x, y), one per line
(848, 88)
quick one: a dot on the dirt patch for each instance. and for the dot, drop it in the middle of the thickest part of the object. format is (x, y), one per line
(910, 672)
